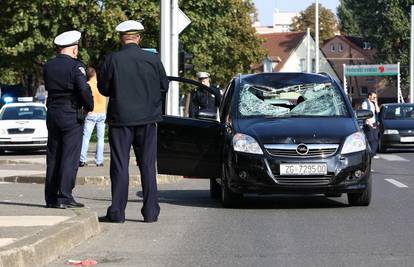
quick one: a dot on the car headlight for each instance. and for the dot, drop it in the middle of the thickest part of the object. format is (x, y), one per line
(247, 144)
(391, 131)
(3, 132)
(354, 143)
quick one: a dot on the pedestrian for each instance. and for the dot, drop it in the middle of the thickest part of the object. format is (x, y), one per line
(370, 126)
(68, 93)
(202, 101)
(134, 80)
(95, 118)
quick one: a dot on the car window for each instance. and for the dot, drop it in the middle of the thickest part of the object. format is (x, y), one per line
(23, 113)
(311, 99)
(398, 112)
(226, 102)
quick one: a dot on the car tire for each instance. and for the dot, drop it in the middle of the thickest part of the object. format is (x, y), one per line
(363, 198)
(215, 189)
(333, 195)
(229, 199)
(2, 151)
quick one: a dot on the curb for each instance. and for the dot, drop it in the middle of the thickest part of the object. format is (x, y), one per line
(91, 180)
(46, 246)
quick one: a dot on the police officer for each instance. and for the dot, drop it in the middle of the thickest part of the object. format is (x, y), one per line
(65, 81)
(201, 100)
(134, 80)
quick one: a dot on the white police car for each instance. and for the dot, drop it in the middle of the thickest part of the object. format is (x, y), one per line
(23, 126)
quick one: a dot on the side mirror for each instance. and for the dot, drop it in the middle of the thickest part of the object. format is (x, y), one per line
(206, 115)
(363, 114)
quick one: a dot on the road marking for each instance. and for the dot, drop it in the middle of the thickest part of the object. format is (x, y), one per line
(396, 183)
(16, 221)
(393, 158)
(6, 241)
(9, 173)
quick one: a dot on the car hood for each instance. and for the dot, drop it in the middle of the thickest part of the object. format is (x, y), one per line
(399, 124)
(6, 124)
(299, 130)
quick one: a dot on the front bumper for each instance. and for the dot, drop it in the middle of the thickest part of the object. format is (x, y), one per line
(30, 143)
(260, 174)
(394, 141)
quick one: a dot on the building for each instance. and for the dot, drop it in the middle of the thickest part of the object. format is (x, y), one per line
(357, 51)
(287, 52)
(281, 23)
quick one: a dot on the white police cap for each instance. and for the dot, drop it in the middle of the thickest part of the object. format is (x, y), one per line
(67, 38)
(129, 27)
(202, 75)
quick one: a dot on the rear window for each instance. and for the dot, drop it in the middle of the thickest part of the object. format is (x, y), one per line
(23, 113)
(295, 97)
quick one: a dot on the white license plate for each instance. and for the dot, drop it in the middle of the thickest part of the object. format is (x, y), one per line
(407, 139)
(304, 169)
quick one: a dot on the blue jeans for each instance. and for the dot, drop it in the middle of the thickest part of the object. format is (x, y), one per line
(91, 120)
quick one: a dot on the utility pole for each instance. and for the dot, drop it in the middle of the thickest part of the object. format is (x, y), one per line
(174, 92)
(308, 51)
(316, 36)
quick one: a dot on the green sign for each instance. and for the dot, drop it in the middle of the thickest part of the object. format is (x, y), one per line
(372, 70)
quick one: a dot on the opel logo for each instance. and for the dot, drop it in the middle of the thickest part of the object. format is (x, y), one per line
(21, 129)
(302, 149)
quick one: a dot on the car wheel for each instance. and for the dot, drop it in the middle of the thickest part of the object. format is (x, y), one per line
(363, 198)
(215, 189)
(229, 199)
(333, 195)
(2, 151)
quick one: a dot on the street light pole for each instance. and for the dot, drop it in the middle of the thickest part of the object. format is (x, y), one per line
(316, 36)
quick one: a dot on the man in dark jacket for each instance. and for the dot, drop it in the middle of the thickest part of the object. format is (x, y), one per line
(65, 81)
(134, 80)
(201, 100)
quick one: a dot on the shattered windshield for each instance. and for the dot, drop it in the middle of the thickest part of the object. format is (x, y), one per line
(316, 99)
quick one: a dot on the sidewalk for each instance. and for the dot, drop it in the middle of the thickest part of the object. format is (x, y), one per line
(31, 235)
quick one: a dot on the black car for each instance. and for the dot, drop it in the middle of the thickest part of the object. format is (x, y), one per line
(276, 133)
(396, 126)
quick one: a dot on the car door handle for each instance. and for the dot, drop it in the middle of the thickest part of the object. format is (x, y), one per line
(168, 132)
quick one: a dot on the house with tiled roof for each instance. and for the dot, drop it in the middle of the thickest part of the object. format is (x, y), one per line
(352, 50)
(287, 52)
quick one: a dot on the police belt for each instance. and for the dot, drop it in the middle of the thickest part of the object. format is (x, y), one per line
(63, 99)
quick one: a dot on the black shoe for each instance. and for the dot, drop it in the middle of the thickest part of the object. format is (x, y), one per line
(147, 220)
(99, 165)
(74, 204)
(82, 164)
(55, 206)
(106, 219)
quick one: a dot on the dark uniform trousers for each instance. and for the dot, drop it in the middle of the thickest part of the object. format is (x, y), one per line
(144, 140)
(63, 152)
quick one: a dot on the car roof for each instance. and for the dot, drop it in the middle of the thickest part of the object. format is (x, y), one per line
(397, 104)
(24, 104)
(292, 76)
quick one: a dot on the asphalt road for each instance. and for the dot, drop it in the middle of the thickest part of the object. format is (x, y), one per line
(194, 230)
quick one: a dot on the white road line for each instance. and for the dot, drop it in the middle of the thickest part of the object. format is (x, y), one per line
(16, 221)
(389, 157)
(6, 241)
(396, 183)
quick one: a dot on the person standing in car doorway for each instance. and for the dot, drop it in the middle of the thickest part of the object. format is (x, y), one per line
(201, 100)
(370, 126)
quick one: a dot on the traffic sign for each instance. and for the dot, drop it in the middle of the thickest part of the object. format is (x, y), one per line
(183, 21)
(372, 70)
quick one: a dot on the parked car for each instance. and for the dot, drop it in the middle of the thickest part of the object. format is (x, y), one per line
(276, 133)
(23, 126)
(396, 126)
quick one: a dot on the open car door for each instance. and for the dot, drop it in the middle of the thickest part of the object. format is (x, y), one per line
(190, 146)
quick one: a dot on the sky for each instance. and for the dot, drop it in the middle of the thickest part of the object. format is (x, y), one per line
(266, 7)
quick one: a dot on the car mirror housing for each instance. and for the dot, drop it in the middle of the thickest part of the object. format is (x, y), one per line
(206, 115)
(363, 114)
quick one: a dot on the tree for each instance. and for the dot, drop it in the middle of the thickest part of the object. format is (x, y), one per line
(386, 24)
(220, 36)
(306, 19)
(347, 22)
